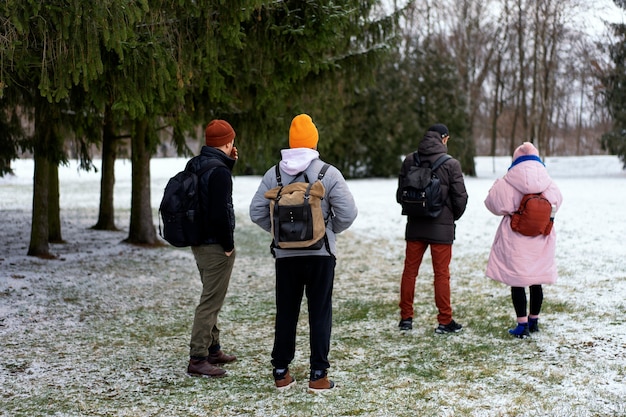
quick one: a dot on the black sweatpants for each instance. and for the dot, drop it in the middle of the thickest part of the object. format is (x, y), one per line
(518, 295)
(313, 276)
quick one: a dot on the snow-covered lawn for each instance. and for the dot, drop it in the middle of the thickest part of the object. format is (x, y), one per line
(103, 330)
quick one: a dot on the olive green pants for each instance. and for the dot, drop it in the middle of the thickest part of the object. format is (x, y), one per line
(215, 269)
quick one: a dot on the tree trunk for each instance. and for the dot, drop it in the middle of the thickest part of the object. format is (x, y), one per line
(534, 82)
(496, 106)
(579, 118)
(106, 213)
(513, 133)
(39, 226)
(54, 208)
(141, 229)
(521, 47)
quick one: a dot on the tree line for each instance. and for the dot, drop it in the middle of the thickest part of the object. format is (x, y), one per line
(127, 78)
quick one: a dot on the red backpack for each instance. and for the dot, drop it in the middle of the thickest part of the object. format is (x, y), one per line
(534, 216)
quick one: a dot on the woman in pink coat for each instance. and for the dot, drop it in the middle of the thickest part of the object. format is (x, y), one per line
(517, 260)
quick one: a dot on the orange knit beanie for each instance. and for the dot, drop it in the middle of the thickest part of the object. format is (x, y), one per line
(303, 133)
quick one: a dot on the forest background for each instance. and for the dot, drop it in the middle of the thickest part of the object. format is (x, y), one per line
(137, 79)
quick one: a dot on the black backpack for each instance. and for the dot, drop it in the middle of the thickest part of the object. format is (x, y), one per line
(183, 222)
(420, 191)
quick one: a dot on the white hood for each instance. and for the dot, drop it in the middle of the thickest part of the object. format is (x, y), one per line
(296, 160)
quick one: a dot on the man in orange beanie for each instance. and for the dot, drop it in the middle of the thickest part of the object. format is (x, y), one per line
(303, 133)
(215, 257)
(305, 270)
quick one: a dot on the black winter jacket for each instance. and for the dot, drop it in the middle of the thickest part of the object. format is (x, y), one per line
(440, 229)
(216, 197)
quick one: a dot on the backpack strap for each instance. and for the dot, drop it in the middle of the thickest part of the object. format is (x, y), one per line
(278, 177)
(440, 161)
(321, 174)
(416, 159)
(323, 171)
(437, 164)
(212, 163)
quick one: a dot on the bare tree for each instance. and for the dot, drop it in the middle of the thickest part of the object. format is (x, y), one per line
(540, 77)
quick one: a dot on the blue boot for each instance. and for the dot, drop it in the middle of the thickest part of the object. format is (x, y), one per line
(521, 331)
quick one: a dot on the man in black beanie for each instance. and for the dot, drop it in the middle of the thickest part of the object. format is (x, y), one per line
(436, 232)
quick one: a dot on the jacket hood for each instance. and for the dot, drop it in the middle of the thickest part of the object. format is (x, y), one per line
(297, 160)
(431, 144)
(528, 177)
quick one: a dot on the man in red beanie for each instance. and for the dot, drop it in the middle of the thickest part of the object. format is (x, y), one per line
(215, 257)
(305, 270)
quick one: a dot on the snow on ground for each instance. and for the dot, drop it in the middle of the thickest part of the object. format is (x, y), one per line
(590, 249)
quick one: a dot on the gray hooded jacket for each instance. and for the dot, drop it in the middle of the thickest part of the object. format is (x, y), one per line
(338, 204)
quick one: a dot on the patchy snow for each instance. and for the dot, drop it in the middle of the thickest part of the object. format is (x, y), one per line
(43, 307)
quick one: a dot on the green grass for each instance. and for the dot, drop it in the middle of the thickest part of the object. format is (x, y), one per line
(109, 337)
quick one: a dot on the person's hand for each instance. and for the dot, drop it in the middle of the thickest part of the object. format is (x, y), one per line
(233, 153)
(230, 252)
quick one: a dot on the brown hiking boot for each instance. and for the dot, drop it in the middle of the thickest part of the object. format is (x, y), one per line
(201, 367)
(283, 380)
(319, 381)
(220, 357)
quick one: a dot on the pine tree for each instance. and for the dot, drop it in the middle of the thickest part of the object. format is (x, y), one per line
(614, 81)
(47, 50)
(137, 66)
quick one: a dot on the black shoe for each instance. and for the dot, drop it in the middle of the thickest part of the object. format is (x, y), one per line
(406, 324)
(452, 327)
(533, 325)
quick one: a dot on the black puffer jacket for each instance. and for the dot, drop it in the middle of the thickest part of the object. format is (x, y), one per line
(216, 197)
(442, 228)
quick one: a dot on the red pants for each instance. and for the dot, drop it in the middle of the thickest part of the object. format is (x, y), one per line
(441, 256)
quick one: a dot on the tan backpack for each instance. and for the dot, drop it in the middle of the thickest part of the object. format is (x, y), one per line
(296, 213)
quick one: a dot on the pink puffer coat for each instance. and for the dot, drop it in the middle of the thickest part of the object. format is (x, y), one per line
(515, 259)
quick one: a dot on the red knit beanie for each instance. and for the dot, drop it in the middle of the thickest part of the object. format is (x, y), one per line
(218, 133)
